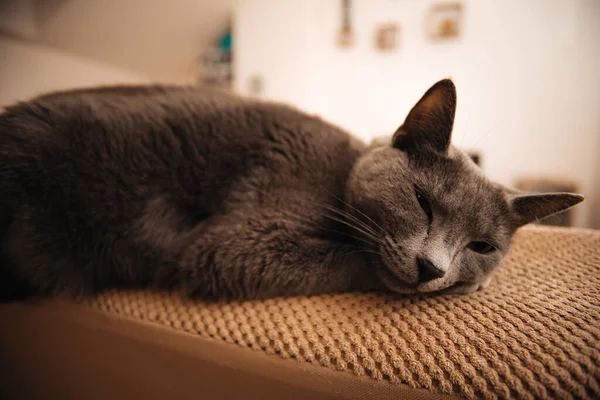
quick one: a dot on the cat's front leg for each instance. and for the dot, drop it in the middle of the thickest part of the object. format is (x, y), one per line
(255, 254)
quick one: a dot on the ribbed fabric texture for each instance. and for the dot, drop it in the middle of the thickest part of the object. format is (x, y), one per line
(534, 333)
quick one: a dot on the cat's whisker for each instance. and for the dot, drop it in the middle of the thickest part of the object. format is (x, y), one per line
(362, 251)
(374, 237)
(354, 222)
(347, 218)
(312, 224)
(355, 209)
(367, 234)
(363, 240)
(481, 138)
(353, 218)
(464, 133)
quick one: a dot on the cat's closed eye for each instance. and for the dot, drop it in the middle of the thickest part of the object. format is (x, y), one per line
(481, 247)
(424, 203)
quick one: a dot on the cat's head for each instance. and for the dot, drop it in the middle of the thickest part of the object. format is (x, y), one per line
(433, 220)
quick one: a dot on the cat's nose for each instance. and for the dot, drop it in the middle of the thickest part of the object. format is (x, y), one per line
(428, 271)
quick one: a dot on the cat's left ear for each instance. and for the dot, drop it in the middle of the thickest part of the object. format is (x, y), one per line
(428, 126)
(532, 207)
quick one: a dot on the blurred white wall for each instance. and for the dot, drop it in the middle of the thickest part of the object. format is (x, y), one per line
(28, 70)
(162, 39)
(527, 74)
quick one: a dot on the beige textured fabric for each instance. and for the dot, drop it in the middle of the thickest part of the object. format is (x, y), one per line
(533, 333)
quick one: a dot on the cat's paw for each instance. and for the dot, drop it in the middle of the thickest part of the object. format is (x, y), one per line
(463, 288)
(466, 288)
(485, 282)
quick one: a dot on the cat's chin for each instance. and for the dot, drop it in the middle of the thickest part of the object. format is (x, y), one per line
(394, 284)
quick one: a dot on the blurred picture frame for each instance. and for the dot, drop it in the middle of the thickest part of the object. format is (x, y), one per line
(345, 35)
(444, 21)
(387, 37)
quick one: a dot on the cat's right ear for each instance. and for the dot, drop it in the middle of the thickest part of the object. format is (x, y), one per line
(428, 126)
(528, 208)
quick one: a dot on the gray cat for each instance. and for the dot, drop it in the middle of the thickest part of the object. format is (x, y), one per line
(222, 197)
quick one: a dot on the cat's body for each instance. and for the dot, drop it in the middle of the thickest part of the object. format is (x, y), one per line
(117, 186)
(220, 196)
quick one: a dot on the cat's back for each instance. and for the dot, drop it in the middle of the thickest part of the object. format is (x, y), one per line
(108, 118)
(128, 143)
(118, 111)
(144, 130)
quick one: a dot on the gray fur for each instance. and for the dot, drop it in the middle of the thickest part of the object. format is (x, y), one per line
(223, 197)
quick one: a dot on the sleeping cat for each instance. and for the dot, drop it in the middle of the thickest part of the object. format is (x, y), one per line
(224, 197)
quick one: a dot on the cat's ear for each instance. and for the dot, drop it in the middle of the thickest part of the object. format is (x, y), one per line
(528, 208)
(428, 126)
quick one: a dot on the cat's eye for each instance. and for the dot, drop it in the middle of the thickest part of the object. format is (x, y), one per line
(481, 247)
(424, 203)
